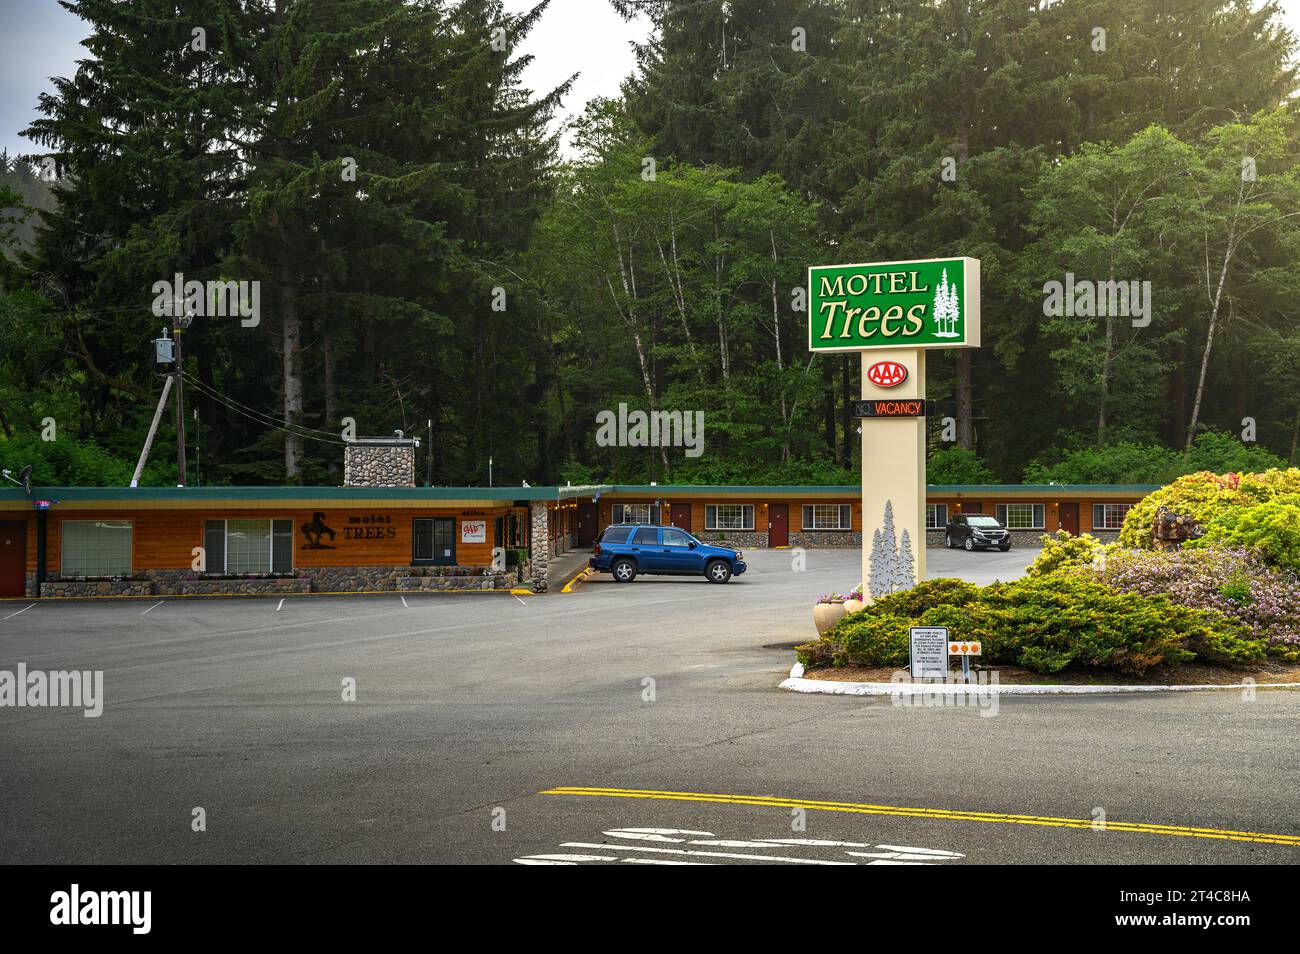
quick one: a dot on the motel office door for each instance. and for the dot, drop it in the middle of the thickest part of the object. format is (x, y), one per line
(588, 523)
(778, 525)
(1068, 517)
(679, 515)
(13, 558)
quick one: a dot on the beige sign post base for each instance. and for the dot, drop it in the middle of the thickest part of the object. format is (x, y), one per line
(893, 477)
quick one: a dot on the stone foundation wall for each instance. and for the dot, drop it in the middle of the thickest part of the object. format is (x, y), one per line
(96, 587)
(342, 579)
(1024, 538)
(742, 539)
(493, 581)
(252, 587)
(825, 538)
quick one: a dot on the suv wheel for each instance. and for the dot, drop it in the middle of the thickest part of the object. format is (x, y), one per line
(969, 545)
(1004, 547)
(947, 541)
(624, 571)
(718, 571)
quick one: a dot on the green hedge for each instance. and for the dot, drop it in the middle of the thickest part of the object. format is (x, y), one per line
(1046, 624)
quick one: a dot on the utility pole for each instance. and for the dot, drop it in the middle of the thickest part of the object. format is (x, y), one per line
(179, 324)
(428, 482)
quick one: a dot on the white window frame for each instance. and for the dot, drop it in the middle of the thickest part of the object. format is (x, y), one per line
(933, 520)
(1105, 510)
(711, 517)
(225, 545)
(843, 517)
(1037, 515)
(621, 509)
(63, 548)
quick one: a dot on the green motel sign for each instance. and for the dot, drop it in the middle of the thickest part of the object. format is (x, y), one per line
(929, 303)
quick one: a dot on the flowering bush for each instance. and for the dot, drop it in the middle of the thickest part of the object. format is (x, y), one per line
(1204, 497)
(1236, 582)
(832, 598)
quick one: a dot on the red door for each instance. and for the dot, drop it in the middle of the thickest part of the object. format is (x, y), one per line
(1069, 517)
(588, 523)
(13, 558)
(680, 516)
(778, 525)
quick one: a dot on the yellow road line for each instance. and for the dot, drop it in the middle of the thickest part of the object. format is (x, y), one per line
(764, 801)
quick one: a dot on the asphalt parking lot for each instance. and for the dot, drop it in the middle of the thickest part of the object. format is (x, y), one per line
(646, 713)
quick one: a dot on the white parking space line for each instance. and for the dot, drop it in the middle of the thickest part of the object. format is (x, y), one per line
(525, 602)
(23, 610)
(154, 607)
(280, 606)
(403, 599)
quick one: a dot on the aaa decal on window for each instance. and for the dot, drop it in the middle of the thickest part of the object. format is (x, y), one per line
(886, 374)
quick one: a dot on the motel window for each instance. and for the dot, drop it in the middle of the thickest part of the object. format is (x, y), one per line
(1021, 516)
(728, 516)
(96, 548)
(936, 516)
(827, 517)
(434, 541)
(633, 513)
(1109, 516)
(248, 546)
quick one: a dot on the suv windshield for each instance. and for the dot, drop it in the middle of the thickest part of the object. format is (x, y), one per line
(987, 523)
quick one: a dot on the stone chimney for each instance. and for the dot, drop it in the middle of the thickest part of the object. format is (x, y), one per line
(380, 462)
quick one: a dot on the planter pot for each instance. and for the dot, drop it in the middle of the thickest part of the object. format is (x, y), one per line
(852, 606)
(826, 615)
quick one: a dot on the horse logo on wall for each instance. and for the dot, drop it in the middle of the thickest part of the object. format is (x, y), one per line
(315, 530)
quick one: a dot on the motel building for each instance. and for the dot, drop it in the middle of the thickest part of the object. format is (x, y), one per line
(380, 532)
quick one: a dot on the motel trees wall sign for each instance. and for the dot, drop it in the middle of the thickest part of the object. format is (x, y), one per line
(891, 313)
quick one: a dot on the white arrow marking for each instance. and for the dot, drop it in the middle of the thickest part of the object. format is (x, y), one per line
(711, 854)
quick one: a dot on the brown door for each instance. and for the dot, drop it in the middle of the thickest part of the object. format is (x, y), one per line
(680, 516)
(13, 558)
(778, 525)
(588, 523)
(1069, 517)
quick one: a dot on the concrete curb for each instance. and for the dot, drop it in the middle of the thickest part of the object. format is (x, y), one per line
(906, 689)
(577, 579)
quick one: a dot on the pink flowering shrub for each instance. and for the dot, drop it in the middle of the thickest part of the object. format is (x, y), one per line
(1236, 582)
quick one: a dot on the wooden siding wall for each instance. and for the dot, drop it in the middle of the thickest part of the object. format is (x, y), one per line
(760, 505)
(1051, 507)
(165, 539)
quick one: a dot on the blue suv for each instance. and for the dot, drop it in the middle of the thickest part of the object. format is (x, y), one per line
(626, 549)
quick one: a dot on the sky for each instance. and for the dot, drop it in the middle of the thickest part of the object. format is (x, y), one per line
(39, 39)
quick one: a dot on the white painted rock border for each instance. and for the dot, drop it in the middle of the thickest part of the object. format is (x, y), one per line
(796, 683)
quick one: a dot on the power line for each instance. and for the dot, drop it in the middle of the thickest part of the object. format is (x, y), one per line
(259, 417)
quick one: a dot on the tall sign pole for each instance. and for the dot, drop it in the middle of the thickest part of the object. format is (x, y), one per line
(892, 313)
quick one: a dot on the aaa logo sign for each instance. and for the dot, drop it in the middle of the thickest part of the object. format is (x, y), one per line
(887, 374)
(929, 303)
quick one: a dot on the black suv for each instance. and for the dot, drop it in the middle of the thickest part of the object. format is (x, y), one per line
(976, 531)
